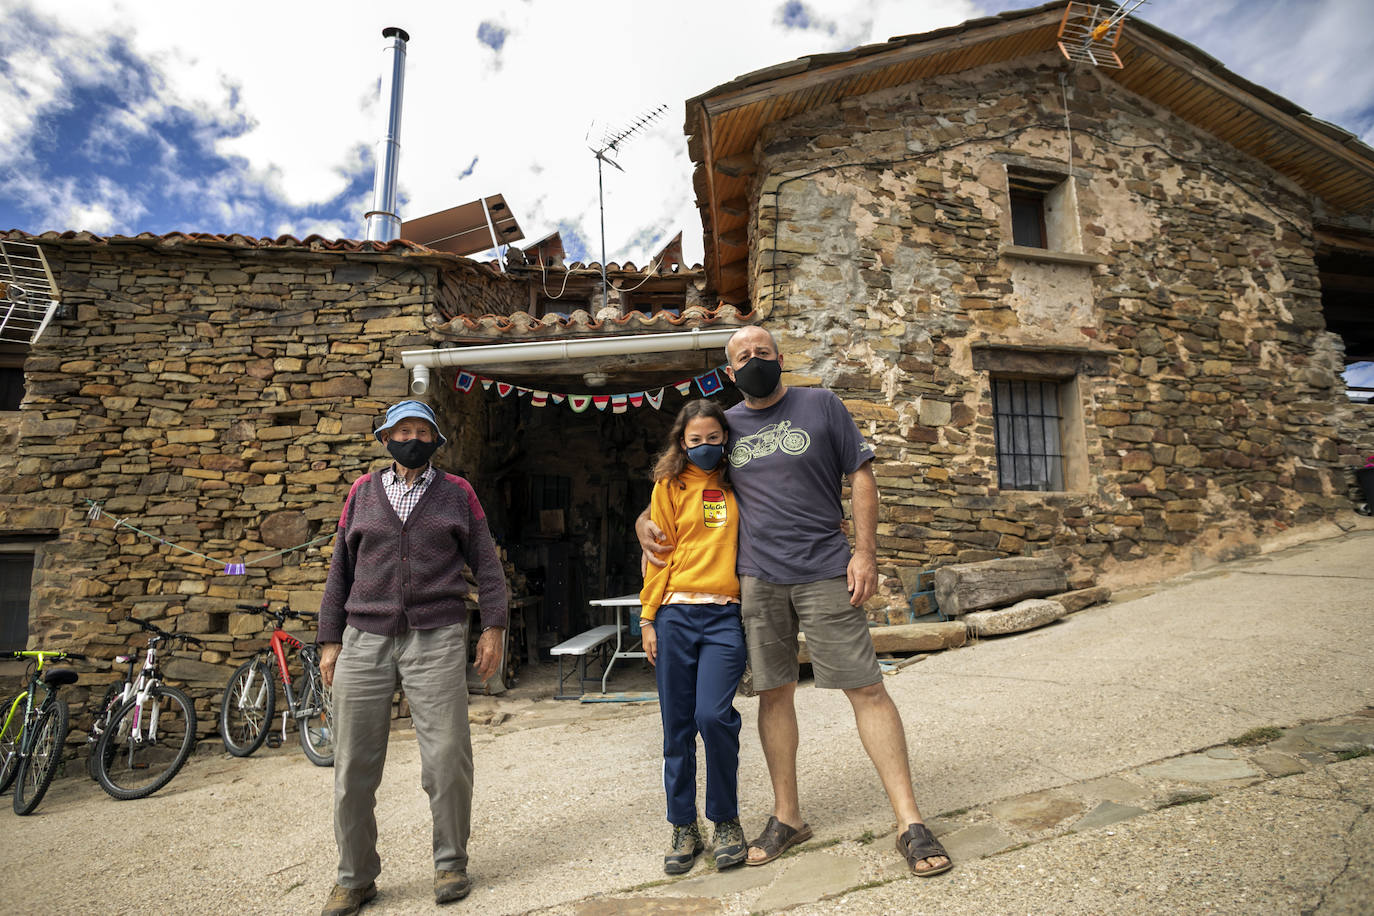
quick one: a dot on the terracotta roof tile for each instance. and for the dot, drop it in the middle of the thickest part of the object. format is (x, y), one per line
(232, 241)
(580, 323)
(236, 241)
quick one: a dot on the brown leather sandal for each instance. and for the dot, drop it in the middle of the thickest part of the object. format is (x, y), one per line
(919, 843)
(776, 839)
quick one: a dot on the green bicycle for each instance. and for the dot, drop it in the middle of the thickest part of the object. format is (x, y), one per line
(34, 733)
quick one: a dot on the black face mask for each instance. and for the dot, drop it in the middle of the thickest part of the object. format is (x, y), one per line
(412, 453)
(758, 378)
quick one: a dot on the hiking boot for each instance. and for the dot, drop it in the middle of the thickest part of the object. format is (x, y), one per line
(450, 885)
(728, 842)
(345, 901)
(685, 848)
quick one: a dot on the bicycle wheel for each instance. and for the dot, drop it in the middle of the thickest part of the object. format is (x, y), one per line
(316, 723)
(37, 769)
(146, 744)
(250, 701)
(104, 715)
(11, 738)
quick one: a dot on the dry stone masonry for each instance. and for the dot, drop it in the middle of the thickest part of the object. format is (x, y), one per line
(1179, 303)
(220, 400)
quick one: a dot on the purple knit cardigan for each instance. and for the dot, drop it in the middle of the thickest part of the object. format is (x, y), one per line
(387, 577)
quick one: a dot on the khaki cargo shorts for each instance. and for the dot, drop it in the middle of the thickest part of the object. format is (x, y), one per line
(842, 655)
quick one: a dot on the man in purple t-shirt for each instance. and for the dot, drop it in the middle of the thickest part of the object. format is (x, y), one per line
(789, 450)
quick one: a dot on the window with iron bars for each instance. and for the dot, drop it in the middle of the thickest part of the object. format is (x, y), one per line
(1027, 415)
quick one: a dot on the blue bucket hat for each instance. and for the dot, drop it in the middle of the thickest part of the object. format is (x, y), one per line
(402, 410)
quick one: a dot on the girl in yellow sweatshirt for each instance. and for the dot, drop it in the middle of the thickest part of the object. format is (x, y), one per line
(692, 634)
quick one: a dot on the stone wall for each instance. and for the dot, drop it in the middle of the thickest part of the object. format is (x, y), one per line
(879, 252)
(221, 400)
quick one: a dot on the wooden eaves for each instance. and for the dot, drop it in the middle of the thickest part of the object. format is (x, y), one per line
(724, 124)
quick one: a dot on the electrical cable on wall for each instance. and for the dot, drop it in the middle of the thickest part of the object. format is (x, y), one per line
(95, 512)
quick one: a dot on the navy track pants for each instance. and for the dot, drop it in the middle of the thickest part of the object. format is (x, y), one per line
(701, 658)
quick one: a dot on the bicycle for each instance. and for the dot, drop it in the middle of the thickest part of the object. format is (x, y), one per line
(144, 730)
(250, 697)
(34, 734)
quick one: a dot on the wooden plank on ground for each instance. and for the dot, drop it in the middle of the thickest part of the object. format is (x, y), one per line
(966, 587)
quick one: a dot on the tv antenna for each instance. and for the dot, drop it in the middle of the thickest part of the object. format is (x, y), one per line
(611, 141)
(1089, 32)
(28, 293)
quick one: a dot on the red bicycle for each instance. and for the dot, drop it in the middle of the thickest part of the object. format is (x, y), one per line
(250, 699)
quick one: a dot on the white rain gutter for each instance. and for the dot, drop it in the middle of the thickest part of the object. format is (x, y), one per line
(419, 362)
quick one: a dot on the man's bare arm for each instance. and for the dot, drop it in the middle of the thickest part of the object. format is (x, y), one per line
(862, 575)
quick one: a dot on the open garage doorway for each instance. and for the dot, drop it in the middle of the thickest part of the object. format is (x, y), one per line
(562, 488)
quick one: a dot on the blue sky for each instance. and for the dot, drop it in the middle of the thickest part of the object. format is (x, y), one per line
(120, 117)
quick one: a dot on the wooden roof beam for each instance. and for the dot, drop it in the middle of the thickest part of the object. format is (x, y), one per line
(735, 206)
(737, 165)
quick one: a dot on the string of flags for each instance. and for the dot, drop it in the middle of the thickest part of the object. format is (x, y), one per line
(708, 383)
(230, 569)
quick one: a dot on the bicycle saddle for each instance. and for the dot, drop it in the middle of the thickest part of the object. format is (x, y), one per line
(57, 677)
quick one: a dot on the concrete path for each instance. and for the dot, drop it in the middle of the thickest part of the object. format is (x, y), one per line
(1080, 768)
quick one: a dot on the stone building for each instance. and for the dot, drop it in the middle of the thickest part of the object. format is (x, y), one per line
(1091, 313)
(219, 393)
(1097, 312)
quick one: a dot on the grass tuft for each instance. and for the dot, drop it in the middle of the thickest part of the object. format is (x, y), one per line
(1256, 736)
(1188, 800)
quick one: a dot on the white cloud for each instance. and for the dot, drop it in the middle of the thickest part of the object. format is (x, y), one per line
(304, 92)
(287, 92)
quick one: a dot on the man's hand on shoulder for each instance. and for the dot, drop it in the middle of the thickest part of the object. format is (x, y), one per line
(652, 540)
(862, 577)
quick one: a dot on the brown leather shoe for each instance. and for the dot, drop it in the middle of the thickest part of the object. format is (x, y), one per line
(345, 901)
(450, 885)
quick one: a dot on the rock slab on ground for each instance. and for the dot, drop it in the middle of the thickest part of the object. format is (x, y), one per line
(1024, 615)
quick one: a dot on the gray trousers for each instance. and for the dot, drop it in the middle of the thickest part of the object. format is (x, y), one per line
(432, 668)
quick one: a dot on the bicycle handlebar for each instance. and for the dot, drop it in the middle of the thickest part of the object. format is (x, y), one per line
(150, 627)
(280, 613)
(164, 634)
(47, 653)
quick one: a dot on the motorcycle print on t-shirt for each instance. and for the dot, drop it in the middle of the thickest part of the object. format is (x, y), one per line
(768, 440)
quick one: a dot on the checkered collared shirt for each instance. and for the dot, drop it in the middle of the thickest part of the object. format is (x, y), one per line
(404, 497)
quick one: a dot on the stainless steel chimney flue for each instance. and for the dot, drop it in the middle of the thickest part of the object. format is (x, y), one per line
(383, 225)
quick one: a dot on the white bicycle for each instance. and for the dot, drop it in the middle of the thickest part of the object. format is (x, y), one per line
(144, 730)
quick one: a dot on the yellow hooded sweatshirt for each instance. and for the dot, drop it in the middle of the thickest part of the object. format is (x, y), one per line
(701, 518)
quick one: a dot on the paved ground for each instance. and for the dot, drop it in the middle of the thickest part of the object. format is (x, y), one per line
(1080, 768)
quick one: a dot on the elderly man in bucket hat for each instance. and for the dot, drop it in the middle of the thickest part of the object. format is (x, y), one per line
(394, 610)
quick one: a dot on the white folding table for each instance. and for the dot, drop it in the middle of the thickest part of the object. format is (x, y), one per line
(623, 648)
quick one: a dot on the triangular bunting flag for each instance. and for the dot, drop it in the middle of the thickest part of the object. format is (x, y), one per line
(708, 383)
(655, 399)
(637, 399)
(618, 403)
(558, 398)
(504, 388)
(464, 381)
(539, 398)
(601, 400)
(486, 383)
(579, 402)
(683, 387)
(522, 391)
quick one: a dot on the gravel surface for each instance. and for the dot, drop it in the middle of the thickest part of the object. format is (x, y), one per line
(569, 806)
